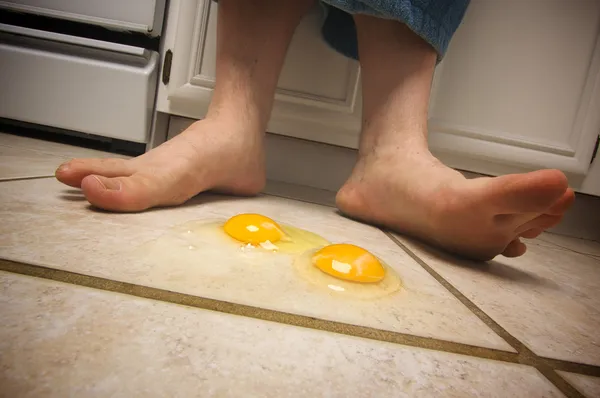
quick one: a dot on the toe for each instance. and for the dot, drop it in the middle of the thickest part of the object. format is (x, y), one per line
(534, 220)
(541, 222)
(532, 233)
(562, 204)
(73, 172)
(124, 194)
(533, 192)
(515, 248)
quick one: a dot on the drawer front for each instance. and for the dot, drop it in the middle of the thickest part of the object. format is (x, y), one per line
(144, 16)
(83, 87)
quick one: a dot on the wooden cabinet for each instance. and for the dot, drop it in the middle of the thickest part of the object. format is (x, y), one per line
(323, 106)
(518, 90)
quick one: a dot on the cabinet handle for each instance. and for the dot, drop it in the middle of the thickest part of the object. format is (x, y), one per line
(166, 72)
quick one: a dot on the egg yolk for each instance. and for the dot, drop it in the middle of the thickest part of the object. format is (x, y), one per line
(253, 228)
(349, 262)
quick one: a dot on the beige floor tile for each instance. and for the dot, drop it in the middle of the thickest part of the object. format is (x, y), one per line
(541, 242)
(587, 385)
(299, 192)
(548, 298)
(47, 224)
(22, 157)
(52, 148)
(583, 246)
(60, 340)
(24, 163)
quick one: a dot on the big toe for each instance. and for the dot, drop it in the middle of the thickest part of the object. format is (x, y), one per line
(533, 192)
(123, 194)
(73, 172)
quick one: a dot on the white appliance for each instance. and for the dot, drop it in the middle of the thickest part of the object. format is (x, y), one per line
(144, 16)
(88, 85)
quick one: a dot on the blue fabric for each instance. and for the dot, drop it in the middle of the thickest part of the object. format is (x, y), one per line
(433, 20)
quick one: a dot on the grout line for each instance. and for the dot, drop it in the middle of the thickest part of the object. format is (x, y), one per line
(563, 385)
(65, 157)
(526, 356)
(313, 202)
(40, 151)
(499, 330)
(24, 178)
(297, 200)
(256, 312)
(559, 246)
(572, 367)
(276, 195)
(541, 237)
(546, 366)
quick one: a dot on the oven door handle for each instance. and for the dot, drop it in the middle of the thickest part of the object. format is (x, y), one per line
(80, 41)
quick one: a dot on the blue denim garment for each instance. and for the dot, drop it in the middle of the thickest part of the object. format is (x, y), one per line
(433, 20)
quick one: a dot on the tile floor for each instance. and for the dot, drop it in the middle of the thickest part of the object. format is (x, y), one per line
(100, 304)
(29, 158)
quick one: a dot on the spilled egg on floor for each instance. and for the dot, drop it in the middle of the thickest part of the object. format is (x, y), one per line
(204, 253)
(256, 230)
(245, 238)
(257, 250)
(348, 270)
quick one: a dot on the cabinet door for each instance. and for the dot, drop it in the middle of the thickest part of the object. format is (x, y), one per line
(320, 106)
(520, 88)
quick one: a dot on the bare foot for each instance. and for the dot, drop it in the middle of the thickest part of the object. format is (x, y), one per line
(209, 155)
(477, 218)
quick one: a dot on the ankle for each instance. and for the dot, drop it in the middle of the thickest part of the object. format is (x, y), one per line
(238, 117)
(387, 163)
(227, 131)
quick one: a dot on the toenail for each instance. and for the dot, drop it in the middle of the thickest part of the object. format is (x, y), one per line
(109, 184)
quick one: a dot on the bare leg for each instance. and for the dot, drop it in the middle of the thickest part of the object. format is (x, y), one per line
(225, 150)
(399, 184)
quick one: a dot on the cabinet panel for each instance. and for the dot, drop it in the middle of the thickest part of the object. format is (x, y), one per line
(308, 53)
(321, 106)
(521, 83)
(518, 90)
(523, 79)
